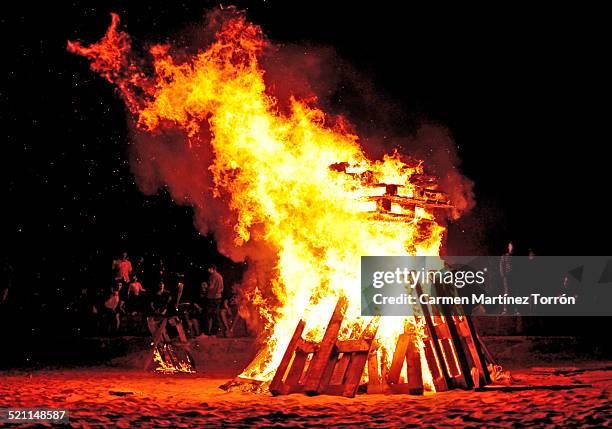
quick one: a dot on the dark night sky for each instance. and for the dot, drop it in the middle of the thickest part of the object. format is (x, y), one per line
(524, 92)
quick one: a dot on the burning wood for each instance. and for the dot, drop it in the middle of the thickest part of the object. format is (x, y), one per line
(169, 357)
(453, 357)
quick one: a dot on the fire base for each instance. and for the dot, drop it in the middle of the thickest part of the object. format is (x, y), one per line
(452, 350)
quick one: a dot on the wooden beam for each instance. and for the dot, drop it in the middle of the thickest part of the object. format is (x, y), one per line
(375, 380)
(307, 346)
(414, 374)
(464, 366)
(314, 384)
(437, 359)
(480, 350)
(159, 334)
(292, 382)
(276, 386)
(359, 359)
(399, 356)
(350, 346)
(354, 373)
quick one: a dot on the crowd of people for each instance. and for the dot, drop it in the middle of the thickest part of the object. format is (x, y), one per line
(139, 291)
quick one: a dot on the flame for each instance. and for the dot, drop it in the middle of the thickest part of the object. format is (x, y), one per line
(273, 168)
(172, 364)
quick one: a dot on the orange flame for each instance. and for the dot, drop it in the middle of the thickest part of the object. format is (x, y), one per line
(169, 363)
(273, 168)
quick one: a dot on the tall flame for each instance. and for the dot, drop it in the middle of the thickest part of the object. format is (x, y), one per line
(273, 168)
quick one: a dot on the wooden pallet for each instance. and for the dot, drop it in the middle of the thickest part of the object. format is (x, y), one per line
(406, 352)
(452, 350)
(158, 326)
(331, 367)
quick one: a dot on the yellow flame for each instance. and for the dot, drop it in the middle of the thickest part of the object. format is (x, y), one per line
(164, 367)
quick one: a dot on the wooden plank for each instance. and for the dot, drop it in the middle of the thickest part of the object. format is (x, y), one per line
(448, 355)
(340, 369)
(480, 350)
(430, 321)
(435, 367)
(334, 389)
(292, 382)
(399, 355)
(350, 346)
(475, 361)
(354, 373)
(314, 383)
(414, 374)
(156, 339)
(489, 359)
(400, 388)
(307, 346)
(181, 332)
(458, 347)
(328, 372)
(277, 382)
(375, 384)
(359, 359)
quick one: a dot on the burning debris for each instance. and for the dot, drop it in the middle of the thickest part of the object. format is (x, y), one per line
(169, 360)
(271, 186)
(169, 356)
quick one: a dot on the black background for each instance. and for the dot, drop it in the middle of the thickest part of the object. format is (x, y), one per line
(524, 92)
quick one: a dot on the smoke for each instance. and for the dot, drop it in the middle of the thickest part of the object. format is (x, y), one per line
(435, 145)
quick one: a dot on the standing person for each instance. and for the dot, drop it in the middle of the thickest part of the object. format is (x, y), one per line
(201, 305)
(134, 298)
(111, 310)
(531, 278)
(135, 287)
(506, 266)
(213, 297)
(160, 301)
(229, 310)
(4, 296)
(125, 270)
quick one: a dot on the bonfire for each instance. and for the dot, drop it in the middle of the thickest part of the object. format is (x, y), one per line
(297, 184)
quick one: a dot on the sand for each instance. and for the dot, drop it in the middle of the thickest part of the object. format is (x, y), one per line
(108, 397)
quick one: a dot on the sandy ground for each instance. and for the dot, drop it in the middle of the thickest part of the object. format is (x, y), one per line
(105, 397)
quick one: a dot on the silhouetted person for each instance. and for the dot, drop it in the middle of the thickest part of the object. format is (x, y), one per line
(125, 269)
(229, 310)
(506, 271)
(134, 295)
(135, 288)
(160, 300)
(111, 311)
(5, 307)
(201, 304)
(4, 296)
(213, 296)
